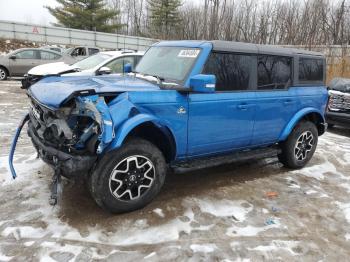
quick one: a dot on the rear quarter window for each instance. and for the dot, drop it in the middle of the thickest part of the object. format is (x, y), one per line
(310, 70)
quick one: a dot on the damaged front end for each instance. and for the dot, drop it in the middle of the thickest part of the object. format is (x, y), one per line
(70, 138)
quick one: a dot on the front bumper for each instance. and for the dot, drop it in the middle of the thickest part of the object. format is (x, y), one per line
(335, 118)
(70, 165)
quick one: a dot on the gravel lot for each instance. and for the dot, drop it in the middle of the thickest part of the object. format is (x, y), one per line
(217, 214)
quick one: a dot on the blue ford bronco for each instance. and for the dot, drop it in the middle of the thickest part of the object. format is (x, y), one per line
(187, 104)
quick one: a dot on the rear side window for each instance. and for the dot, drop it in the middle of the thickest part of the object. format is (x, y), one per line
(93, 51)
(49, 56)
(310, 70)
(232, 71)
(274, 72)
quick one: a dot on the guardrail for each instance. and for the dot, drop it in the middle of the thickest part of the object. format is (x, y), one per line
(67, 36)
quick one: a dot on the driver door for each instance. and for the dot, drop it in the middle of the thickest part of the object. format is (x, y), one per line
(224, 120)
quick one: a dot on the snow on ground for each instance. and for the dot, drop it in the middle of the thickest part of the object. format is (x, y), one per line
(217, 214)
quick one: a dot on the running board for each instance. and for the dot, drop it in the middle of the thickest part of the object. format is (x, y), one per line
(205, 162)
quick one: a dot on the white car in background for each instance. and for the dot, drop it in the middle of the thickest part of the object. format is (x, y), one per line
(110, 62)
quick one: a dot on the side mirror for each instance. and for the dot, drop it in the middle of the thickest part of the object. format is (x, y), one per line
(104, 70)
(13, 57)
(203, 83)
(127, 68)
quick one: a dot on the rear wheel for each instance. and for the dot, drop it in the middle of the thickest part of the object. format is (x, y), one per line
(128, 178)
(300, 145)
(3, 73)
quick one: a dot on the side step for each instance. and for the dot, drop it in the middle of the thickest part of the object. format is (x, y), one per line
(205, 162)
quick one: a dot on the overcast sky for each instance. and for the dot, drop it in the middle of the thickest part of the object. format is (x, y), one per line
(30, 11)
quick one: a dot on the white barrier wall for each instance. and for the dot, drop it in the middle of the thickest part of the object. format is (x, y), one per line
(66, 36)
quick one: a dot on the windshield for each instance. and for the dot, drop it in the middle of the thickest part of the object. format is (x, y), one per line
(168, 63)
(91, 61)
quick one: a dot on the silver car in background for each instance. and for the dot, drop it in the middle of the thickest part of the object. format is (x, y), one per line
(18, 62)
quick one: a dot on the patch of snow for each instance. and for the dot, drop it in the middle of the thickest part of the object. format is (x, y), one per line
(347, 236)
(204, 248)
(29, 243)
(345, 207)
(265, 211)
(223, 207)
(311, 191)
(278, 245)
(317, 171)
(24, 232)
(249, 231)
(5, 258)
(159, 212)
(22, 167)
(150, 255)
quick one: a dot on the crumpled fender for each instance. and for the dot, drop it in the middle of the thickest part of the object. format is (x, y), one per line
(296, 118)
(129, 125)
(126, 116)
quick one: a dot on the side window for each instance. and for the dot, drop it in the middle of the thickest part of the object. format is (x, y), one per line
(117, 65)
(274, 72)
(27, 54)
(79, 51)
(137, 59)
(310, 70)
(49, 56)
(93, 51)
(232, 71)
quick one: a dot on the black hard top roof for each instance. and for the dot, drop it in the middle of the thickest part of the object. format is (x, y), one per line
(228, 46)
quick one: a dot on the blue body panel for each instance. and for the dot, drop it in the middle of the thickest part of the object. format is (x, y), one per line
(199, 123)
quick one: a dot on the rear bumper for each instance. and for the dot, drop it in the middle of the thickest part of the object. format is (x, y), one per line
(335, 118)
(70, 165)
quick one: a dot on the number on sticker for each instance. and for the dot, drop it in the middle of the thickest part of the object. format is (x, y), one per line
(188, 53)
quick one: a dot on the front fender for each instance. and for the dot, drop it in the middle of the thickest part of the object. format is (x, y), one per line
(295, 119)
(127, 126)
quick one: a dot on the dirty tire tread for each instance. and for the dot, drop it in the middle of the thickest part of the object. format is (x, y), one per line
(98, 181)
(287, 155)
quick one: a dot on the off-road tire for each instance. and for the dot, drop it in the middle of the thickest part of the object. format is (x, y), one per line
(288, 155)
(3, 73)
(101, 177)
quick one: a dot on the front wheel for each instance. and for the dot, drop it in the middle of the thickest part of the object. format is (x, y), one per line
(3, 73)
(300, 145)
(128, 178)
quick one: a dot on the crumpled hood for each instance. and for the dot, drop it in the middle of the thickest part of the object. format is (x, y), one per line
(51, 69)
(53, 91)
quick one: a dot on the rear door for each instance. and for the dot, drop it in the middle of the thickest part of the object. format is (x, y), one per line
(25, 60)
(224, 120)
(276, 102)
(48, 57)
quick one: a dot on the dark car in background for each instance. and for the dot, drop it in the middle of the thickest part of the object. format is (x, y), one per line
(20, 61)
(338, 111)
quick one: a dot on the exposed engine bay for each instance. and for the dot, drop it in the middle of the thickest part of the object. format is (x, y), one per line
(82, 126)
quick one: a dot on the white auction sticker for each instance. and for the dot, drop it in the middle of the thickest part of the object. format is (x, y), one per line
(189, 53)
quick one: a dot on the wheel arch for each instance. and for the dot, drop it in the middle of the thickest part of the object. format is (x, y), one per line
(147, 127)
(310, 114)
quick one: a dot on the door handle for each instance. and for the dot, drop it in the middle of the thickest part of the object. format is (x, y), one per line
(288, 102)
(244, 106)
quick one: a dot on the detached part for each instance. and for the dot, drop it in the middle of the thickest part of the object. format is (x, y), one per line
(56, 187)
(14, 143)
